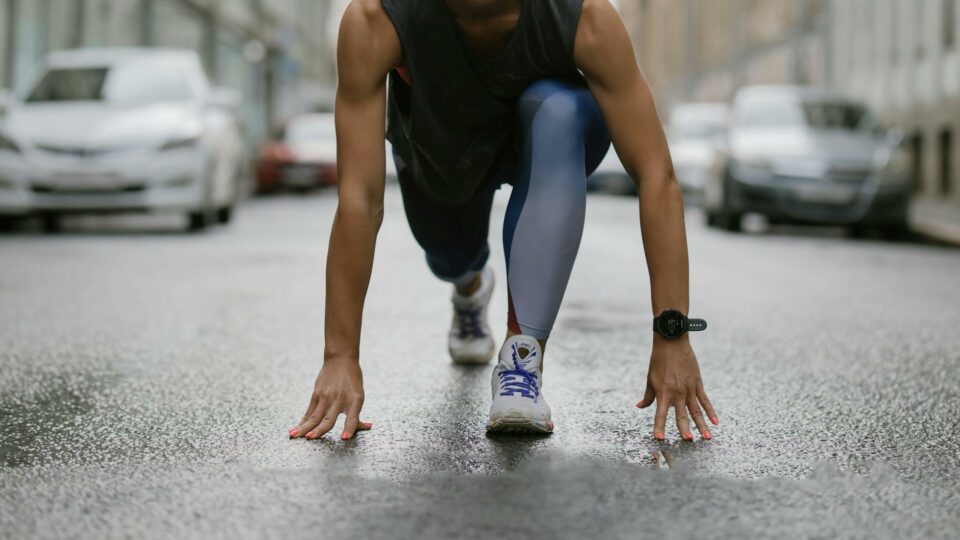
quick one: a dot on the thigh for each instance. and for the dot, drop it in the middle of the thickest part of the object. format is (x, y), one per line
(450, 232)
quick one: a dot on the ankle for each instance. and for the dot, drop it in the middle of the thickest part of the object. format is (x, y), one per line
(471, 287)
(542, 342)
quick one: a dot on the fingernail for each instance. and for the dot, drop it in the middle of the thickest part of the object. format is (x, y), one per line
(658, 436)
(344, 436)
(707, 435)
(638, 404)
(688, 436)
(715, 421)
(294, 432)
(311, 435)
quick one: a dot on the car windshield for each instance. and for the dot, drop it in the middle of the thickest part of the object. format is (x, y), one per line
(137, 82)
(838, 115)
(310, 130)
(834, 115)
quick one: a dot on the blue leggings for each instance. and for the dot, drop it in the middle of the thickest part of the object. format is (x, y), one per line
(564, 138)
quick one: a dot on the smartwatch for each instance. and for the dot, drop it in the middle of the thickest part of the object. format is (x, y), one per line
(671, 324)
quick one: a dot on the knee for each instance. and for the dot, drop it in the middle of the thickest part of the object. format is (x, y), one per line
(558, 104)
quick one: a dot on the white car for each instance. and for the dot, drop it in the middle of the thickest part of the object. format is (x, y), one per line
(694, 131)
(115, 130)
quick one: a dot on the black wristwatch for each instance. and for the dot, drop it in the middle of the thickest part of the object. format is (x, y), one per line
(671, 324)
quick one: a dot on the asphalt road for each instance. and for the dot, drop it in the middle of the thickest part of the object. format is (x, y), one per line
(147, 380)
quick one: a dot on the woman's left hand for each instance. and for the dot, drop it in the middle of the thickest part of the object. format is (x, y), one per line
(673, 380)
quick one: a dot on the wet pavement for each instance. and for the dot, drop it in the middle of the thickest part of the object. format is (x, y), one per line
(147, 379)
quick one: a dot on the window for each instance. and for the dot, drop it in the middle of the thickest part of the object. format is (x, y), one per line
(141, 82)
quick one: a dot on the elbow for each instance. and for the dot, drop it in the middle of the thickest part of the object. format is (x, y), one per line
(362, 209)
(660, 177)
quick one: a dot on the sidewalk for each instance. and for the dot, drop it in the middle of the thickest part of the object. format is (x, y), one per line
(936, 218)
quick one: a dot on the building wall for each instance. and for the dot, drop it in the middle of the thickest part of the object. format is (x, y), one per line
(901, 56)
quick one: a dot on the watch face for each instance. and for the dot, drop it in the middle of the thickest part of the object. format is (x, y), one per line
(671, 324)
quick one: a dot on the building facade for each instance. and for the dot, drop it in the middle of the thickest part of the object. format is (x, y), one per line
(901, 56)
(275, 52)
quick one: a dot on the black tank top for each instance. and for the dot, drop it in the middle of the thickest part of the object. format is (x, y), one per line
(457, 115)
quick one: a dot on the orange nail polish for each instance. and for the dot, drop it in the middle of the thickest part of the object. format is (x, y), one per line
(293, 432)
(658, 436)
(311, 435)
(344, 435)
(707, 435)
(688, 436)
(715, 421)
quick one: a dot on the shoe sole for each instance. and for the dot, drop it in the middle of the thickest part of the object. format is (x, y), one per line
(517, 425)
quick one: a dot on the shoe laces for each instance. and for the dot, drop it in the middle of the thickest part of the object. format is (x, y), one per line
(469, 322)
(519, 381)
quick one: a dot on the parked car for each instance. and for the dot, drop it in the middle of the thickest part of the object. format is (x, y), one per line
(804, 155)
(117, 130)
(303, 155)
(694, 131)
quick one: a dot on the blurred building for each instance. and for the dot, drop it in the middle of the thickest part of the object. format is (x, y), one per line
(275, 52)
(901, 56)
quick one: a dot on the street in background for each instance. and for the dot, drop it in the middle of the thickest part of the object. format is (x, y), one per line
(119, 130)
(804, 155)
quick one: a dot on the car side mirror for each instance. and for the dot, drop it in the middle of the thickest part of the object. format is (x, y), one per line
(224, 98)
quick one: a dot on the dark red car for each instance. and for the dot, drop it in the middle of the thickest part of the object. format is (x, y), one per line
(302, 158)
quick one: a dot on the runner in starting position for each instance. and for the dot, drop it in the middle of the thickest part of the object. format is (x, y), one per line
(482, 92)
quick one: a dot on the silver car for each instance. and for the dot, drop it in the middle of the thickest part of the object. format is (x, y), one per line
(803, 155)
(118, 130)
(694, 130)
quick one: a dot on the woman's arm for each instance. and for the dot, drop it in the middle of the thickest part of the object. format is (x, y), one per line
(368, 49)
(604, 53)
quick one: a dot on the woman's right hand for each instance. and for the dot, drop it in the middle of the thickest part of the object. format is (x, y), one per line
(338, 390)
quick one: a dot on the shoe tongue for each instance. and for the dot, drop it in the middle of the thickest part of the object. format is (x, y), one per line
(524, 344)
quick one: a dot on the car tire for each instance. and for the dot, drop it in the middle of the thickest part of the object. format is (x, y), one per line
(225, 214)
(51, 223)
(723, 217)
(199, 221)
(894, 231)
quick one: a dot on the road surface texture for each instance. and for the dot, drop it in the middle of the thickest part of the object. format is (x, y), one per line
(148, 379)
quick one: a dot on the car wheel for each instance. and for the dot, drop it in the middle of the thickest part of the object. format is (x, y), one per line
(199, 221)
(225, 214)
(894, 231)
(51, 223)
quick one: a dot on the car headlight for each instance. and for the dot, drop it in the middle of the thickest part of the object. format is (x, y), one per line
(8, 144)
(896, 166)
(181, 143)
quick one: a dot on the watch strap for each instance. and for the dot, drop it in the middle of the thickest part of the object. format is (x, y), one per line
(696, 325)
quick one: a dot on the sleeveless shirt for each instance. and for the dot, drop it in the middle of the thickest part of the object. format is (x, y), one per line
(457, 115)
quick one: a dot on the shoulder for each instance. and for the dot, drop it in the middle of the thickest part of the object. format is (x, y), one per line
(600, 34)
(367, 32)
(365, 15)
(597, 17)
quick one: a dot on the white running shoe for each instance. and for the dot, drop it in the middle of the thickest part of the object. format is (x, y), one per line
(470, 341)
(518, 404)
